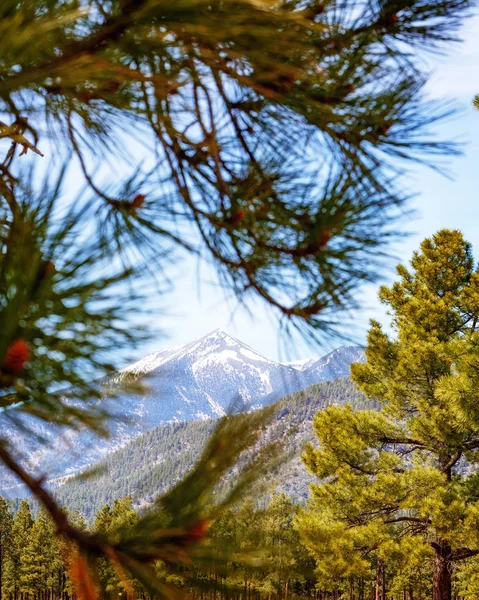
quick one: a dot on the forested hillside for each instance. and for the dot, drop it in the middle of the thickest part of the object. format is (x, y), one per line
(156, 460)
(201, 380)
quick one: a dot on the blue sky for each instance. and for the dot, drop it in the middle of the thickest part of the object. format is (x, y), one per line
(197, 306)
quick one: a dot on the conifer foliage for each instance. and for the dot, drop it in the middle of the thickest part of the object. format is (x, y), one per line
(256, 552)
(264, 135)
(281, 163)
(6, 521)
(401, 483)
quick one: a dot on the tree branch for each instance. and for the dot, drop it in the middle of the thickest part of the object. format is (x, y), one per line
(408, 520)
(111, 30)
(388, 440)
(448, 466)
(84, 540)
(462, 553)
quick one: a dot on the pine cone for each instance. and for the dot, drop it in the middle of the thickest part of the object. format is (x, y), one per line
(197, 531)
(324, 238)
(238, 216)
(17, 355)
(392, 20)
(138, 201)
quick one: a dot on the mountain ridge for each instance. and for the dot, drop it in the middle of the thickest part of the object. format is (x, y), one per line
(152, 463)
(203, 379)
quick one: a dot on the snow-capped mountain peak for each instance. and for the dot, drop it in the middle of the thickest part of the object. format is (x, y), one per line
(151, 362)
(215, 347)
(335, 364)
(207, 377)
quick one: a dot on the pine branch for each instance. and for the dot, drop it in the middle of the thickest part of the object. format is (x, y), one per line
(179, 520)
(346, 89)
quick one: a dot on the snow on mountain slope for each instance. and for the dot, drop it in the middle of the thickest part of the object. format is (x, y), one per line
(334, 365)
(208, 377)
(302, 364)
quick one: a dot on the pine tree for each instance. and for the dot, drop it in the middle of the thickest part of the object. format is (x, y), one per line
(63, 551)
(195, 104)
(38, 557)
(6, 522)
(20, 538)
(408, 472)
(280, 538)
(110, 519)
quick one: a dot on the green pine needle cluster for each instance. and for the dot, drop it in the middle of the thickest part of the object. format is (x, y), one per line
(263, 135)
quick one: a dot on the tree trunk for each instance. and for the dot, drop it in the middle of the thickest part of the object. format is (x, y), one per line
(441, 582)
(380, 581)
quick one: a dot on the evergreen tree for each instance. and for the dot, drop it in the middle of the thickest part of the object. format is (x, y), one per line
(38, 557)
(6, 522)
(257, 553)
(408, 473)
(63, 548)
(20, 538)
(110, 519)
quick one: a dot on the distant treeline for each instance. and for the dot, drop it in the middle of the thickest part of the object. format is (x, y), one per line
(254, 553)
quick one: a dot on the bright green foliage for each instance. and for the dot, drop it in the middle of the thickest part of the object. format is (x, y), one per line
(405, 476)
(467, 579)
(409, 567)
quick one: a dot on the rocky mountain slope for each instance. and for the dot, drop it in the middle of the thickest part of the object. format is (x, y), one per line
(197, 381)
(155, 461)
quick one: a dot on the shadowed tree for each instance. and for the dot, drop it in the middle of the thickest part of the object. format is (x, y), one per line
(6, 522)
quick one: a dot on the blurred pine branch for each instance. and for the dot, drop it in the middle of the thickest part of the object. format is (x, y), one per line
(278, 128)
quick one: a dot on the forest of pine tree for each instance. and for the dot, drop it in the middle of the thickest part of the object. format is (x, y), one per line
(271, 562)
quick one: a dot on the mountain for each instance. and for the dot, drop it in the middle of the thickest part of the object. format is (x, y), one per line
(303, 364)
(203, 379)
(156, 460)
(334, 365)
